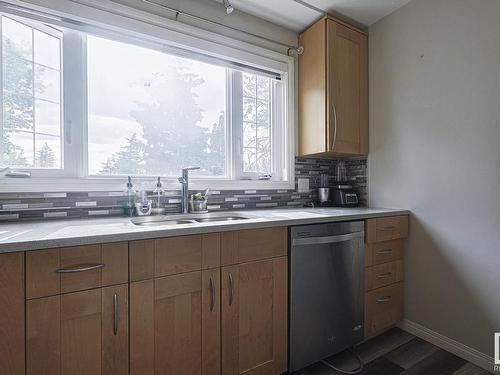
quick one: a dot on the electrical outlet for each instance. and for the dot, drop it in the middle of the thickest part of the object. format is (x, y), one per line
(303, 185)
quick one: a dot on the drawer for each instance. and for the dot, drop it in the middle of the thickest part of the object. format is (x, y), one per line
(71, 269)
(383, 252)
(173, 255)
(254, 244)
(383, 308)
(386, 228)
(383, 274)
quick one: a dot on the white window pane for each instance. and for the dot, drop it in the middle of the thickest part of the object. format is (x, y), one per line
(47, 83)
(249, 135)
(249, 82)
(17, 111)
(48, 118)
(17, 149)
(249, 161)
(17, 37)
(47, 50)
(249, 110)
(153, 113)
(257, 152)
(47, 151)
(263, 88)
(31, 134)
(263, 113)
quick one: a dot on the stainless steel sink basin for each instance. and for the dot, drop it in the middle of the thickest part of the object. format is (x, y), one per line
(223, 218)
(184, 219)
(141, 221)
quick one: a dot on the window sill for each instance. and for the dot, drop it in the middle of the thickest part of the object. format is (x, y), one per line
(39, 184)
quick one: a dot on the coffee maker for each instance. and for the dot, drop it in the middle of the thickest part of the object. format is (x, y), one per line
(343, 195)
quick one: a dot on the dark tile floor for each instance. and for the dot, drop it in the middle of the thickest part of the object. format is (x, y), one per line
(397, 352)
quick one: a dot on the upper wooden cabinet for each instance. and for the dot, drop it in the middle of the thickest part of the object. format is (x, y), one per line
(333, 90)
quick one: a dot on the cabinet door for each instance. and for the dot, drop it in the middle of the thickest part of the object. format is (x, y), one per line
(175, 324)
(78, 333)
(254, 318)
(347, 66)
(12, 314)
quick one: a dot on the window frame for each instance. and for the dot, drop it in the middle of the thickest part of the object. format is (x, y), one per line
(73, 176)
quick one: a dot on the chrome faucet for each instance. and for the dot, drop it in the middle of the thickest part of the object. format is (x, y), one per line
(184, 181)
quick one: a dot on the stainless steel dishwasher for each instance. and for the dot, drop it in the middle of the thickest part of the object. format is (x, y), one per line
(326, 290)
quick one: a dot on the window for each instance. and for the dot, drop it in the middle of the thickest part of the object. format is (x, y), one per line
(98, 105)
(154, 113)
(31, 95)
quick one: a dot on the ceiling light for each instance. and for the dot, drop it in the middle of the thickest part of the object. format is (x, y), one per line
(228, 6)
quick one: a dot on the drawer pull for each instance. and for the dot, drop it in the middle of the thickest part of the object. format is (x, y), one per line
(80, 268)
(384, 275)
(389, 229)
(212, 294)
(384, 251)
(115, 314)
(231, 289)
(384, 299)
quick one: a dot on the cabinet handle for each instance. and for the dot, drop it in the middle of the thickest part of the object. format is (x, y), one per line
(335, 126)
(80, 268)
(211, 285)
(384, 275)
(389, 229)
(231, 289)
(115, 314)
(384, 299)
(384, 251)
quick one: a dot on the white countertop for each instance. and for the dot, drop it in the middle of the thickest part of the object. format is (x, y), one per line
(35, 235)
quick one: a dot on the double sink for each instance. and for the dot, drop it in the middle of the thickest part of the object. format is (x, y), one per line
(149, 221)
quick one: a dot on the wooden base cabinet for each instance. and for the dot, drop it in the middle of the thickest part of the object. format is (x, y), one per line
(254, 318)
(384, 273)
(78, 333)
(207, 304)
(175, 324)
(12, 314)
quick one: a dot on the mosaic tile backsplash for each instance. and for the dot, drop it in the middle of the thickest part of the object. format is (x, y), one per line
(65, 205)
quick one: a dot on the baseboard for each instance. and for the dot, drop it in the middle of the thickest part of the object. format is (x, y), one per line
(463, 351)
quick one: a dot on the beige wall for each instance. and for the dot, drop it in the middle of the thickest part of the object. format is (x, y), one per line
(435, 149)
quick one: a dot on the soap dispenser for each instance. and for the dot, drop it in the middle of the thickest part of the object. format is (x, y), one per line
(158, 193)
(130, 198)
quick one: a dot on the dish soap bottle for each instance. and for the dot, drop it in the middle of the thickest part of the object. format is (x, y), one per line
(158, 193)
(131, 196)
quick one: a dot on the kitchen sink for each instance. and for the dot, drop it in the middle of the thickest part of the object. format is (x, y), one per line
(184, 219)
(147, 223)
(221, 218)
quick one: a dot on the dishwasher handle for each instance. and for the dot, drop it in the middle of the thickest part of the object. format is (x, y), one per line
(327, 239)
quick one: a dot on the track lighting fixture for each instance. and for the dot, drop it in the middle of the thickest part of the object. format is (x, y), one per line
(228, 6)
(299, 50)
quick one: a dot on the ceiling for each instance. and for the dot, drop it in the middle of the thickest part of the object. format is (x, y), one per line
(297, 17)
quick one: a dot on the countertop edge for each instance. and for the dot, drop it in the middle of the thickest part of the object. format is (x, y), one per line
(42, 244)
